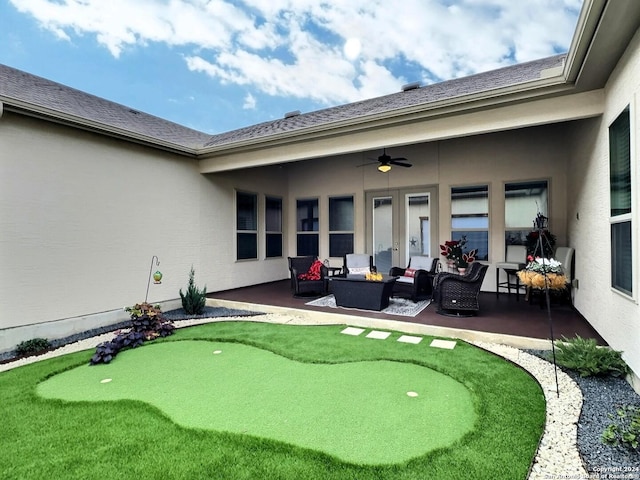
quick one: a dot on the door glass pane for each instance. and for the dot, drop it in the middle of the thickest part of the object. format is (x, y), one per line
(382, 233)
(418, 236)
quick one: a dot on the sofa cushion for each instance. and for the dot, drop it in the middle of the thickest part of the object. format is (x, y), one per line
(359, 270)
(403, 279)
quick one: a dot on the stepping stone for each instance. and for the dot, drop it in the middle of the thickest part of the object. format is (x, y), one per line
(352, 331)
(448, 344)
(378, 335)
(410, 339)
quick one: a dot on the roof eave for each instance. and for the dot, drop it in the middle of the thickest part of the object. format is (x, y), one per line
(37, 111)
(552, 85)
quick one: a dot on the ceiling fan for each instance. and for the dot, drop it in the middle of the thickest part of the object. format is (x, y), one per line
(386, 161)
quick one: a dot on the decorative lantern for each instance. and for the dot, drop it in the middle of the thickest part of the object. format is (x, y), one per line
(157, 277)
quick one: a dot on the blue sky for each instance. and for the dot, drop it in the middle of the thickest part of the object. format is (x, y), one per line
(218, 65)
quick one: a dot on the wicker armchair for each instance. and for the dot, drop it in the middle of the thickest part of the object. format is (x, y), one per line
(300, 287)
(419, 283)
(458, 294)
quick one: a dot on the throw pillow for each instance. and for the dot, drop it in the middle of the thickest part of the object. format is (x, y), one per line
(359, 270)
(410, 272)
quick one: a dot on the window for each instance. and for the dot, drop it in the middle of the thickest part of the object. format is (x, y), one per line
(246, 226)
(340, 226)
(307, 227)
(470, 218)
(522, 203)
(273, 226)
(620, 193)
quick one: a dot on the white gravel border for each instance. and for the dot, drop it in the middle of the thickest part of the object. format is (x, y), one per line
(557, 455)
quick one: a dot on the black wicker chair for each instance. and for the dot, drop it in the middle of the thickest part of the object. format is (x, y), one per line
(420, 283)
(300, 287)
(458, 294)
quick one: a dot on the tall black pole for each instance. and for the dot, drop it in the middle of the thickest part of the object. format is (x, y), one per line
(540, 225)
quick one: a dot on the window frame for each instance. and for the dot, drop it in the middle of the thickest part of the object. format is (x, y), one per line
(517, 235)
(247, 233)
(271, 233)
(457, 232)
(313, 231)
(622, 282)
(343, 233)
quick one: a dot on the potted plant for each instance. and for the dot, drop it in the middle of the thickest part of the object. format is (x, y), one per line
(456, 255)
(542, 273)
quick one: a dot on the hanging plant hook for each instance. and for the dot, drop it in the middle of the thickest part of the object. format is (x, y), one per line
(156, 276)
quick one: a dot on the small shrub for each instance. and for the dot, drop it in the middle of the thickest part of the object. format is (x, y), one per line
(625, 429)
(147, 323)
(587, 358)
(193, 300)
(33, 346)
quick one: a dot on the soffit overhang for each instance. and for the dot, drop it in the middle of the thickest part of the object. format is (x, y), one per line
(604, 30)
(406, 131)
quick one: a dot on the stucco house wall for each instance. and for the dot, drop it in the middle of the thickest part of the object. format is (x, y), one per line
(82, 215)
(614, 315)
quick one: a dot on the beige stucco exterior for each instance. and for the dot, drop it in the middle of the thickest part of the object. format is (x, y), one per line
(614, 315)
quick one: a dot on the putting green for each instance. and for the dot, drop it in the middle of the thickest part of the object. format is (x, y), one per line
(369, 412)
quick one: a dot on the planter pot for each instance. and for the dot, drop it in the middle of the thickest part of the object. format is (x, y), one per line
(553, 281)
(461, 270)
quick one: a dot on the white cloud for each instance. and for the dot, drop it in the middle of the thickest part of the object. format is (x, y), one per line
(250, 102)
(294, 48)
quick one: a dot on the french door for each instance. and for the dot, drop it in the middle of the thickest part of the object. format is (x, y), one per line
(400, 224)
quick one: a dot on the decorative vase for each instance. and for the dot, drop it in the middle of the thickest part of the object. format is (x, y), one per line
(157, 277)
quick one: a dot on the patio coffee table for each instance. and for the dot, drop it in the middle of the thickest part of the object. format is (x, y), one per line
(354, 291)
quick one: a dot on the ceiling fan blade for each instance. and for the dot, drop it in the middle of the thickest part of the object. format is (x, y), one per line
(399, 164)
(367, 164)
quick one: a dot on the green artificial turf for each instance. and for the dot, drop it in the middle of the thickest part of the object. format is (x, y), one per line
(45, 438)
(361, 412)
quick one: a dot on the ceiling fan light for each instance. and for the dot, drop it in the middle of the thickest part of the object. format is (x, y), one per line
(384, 168)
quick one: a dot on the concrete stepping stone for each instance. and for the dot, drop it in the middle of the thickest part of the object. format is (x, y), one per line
(352, 331)
(378, 335)
(447, 344)
(410, 339)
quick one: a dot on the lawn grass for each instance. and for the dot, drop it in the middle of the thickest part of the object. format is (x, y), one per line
(128, 439)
